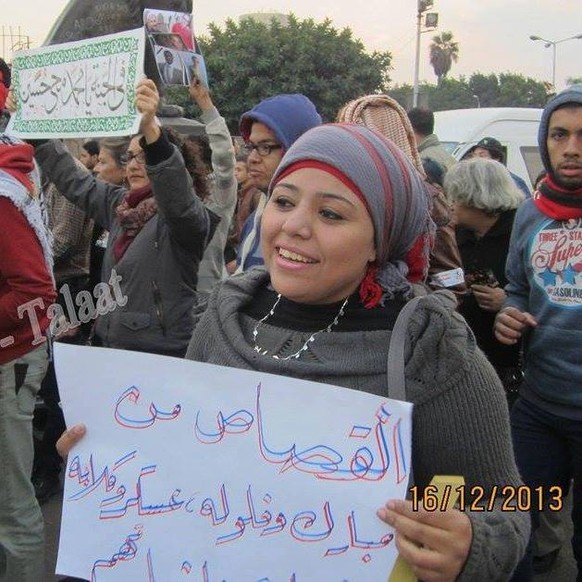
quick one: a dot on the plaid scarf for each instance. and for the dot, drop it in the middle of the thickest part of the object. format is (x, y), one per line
(136, 208)
(385, 115)
(20, 182)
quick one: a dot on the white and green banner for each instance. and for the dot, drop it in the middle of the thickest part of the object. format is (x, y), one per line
(78, 89)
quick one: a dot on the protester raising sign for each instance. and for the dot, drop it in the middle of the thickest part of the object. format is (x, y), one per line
(78, 89)
(196, 471)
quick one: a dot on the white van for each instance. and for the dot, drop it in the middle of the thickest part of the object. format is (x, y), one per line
(515, 127)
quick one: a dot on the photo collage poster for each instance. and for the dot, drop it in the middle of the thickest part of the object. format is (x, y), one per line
(176, 50)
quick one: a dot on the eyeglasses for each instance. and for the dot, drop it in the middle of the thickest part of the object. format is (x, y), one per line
(263, 149)
(139, 158)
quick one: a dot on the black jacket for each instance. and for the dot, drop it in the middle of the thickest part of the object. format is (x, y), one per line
(480, 255)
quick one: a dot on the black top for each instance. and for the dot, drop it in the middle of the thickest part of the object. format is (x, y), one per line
(309, 318)
(484, 263)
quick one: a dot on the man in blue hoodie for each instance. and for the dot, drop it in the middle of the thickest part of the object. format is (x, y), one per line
(268, 130)
(544, 306)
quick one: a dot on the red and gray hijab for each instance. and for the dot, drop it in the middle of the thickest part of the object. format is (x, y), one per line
(393, 191)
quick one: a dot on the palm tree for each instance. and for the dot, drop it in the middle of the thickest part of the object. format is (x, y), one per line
(443, 52)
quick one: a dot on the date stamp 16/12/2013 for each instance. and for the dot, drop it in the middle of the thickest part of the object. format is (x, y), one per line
(479, 498)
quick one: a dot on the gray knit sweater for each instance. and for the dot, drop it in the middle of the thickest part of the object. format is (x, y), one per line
(460, 418)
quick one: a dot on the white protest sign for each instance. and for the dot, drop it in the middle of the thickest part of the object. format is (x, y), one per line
(192, 471)
(78, 89)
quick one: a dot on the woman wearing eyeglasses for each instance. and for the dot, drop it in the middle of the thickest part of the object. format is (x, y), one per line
(158, 227)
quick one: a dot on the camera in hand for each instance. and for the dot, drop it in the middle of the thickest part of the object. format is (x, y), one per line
(481, 277)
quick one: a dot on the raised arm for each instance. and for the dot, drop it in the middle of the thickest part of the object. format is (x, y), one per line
(96, 198)
(189, 221)
(220, 141)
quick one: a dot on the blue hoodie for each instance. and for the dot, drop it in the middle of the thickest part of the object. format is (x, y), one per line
(544, 270)
(288, 116)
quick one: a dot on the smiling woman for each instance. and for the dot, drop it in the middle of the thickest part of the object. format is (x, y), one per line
(317, 237)
(346, 234)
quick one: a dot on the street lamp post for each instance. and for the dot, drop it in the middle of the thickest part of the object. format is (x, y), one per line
(422, 6)
(416, 58)
(553, 44)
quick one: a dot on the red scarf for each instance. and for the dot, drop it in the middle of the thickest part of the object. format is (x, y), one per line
(371, 292)
(557, 202)
(136, 208)
(4, 84)
(3, 95)
(17, 160)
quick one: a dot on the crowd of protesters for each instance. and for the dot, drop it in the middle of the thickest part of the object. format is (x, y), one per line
(309, 254)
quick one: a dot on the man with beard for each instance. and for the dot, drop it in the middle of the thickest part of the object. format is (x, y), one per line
(544, 305)
(89, 154)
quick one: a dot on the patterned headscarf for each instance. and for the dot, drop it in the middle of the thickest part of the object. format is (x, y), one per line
(393, 191)
(386, 116)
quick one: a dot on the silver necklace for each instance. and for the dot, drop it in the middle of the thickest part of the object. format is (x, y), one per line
(310, 339)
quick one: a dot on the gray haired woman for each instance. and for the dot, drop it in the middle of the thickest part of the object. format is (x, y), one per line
(485, 198)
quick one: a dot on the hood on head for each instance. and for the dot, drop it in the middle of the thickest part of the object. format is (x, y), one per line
(288, 116)
(572, 94)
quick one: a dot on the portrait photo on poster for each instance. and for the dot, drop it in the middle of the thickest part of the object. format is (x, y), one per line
(176, 51)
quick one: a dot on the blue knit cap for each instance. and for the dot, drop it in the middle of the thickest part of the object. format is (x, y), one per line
(394, 192)
(572, 94)
(287, 116)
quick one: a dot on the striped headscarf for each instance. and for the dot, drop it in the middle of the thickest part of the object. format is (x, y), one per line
(393, 191)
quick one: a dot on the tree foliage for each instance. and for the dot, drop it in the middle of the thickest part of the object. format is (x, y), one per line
(504, 90)
(486, 89)
(248, 61)
(529, 92)
(443, 52)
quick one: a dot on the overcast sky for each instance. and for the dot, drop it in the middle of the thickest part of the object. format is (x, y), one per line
(493, 35)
